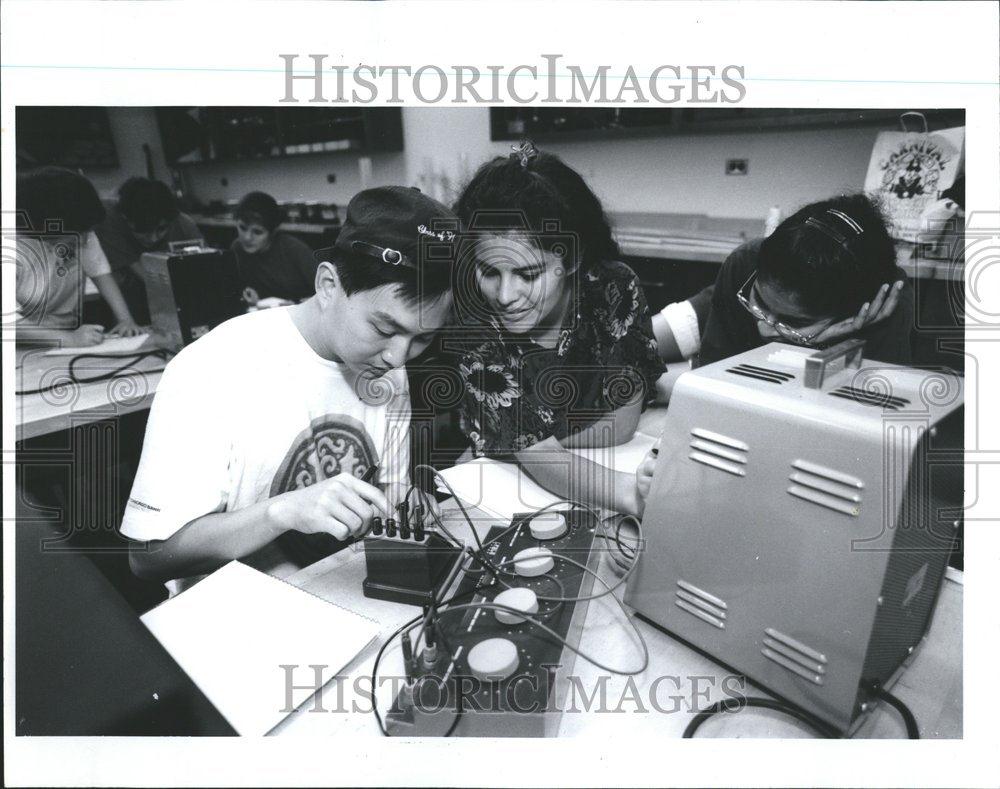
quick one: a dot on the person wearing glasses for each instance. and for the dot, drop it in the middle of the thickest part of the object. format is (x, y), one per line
(826, 274)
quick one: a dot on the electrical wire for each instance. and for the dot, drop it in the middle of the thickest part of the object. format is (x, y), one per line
(912, 729)
(107, 376)
(823, 730)
(478, 555)
(527, 618)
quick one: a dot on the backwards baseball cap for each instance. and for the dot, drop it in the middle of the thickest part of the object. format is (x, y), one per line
(398, 225)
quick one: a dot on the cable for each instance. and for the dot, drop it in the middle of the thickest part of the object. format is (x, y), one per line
(770, 704)
(381, 652)
(76, 379)
(642, 640)
(435, 474)
(912, 730)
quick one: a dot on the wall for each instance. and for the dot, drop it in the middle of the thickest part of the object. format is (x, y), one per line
(443, 145)
(131, 127)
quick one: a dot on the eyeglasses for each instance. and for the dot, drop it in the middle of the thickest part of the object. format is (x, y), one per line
(786, 331)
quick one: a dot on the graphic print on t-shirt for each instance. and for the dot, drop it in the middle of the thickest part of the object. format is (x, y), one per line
(332, 444)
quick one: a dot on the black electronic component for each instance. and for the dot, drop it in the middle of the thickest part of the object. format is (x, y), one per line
(404, 521)
(407, 571)
(418, 523)
(390, 527)
(376, 525)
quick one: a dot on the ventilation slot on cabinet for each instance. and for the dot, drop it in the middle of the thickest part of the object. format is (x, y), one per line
(826, 487)
(761, 373)
(795, 656)
(870, 397)
(719, 451)
(701, 604)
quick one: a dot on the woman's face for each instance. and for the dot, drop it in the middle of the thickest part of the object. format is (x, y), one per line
(253, 237)
(525, 287)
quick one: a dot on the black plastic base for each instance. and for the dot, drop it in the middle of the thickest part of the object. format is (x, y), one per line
(405, 571)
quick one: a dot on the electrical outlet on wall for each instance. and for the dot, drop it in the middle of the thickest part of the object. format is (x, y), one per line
(737, 166)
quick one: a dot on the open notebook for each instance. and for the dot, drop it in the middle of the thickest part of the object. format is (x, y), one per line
(233, 631)
(503, 489)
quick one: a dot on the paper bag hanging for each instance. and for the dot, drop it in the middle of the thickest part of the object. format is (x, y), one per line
(908, 170)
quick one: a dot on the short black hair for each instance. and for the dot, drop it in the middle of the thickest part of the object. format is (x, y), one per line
(538, 188)
(55, 194)
(146, 203)
(260, 208)
(358, 273)
(834, 254)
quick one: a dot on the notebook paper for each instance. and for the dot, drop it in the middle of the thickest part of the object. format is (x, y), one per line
(233, 631)
(504, 489)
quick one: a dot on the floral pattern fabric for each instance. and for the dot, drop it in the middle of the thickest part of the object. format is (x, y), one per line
(518, 393)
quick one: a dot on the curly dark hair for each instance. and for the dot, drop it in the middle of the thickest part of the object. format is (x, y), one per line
(833, 254)
(538, 189)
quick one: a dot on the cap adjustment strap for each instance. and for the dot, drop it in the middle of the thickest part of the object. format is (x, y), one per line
(388, 255)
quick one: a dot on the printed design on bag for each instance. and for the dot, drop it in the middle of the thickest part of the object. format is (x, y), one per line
(914, 169)
(332, 444)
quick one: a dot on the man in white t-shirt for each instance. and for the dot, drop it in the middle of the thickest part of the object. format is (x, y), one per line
(262, 431)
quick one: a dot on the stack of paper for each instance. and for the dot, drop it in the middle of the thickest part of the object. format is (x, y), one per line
(234, 631)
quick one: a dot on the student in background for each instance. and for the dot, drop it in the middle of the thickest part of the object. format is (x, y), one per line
(144, 219)
(52, 266)
(558, 350)
(263, 431)
(826, 274)
(272, 264)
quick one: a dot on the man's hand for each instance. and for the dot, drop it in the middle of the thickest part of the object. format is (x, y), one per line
(878, 309)
(88, 334)
(126, 328)
(342, 506)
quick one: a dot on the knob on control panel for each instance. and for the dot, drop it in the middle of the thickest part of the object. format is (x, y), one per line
(548, 526)
(522, 599)
(533, 561)
(493, 659)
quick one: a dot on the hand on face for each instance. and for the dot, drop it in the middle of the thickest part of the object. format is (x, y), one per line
(878, 309)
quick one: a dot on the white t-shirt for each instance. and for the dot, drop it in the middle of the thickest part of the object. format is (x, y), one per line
(250, 411)
(50, 278)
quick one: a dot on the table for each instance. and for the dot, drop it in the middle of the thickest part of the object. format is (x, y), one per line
(700, 238)
(931, 685)
(69, 404)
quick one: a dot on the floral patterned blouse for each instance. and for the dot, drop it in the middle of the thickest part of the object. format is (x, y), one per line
(518, 393)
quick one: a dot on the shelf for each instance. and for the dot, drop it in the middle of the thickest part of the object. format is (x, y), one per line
(578, 125)
(196, 135)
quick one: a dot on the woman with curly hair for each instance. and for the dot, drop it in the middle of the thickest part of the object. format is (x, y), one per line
(557, 348)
